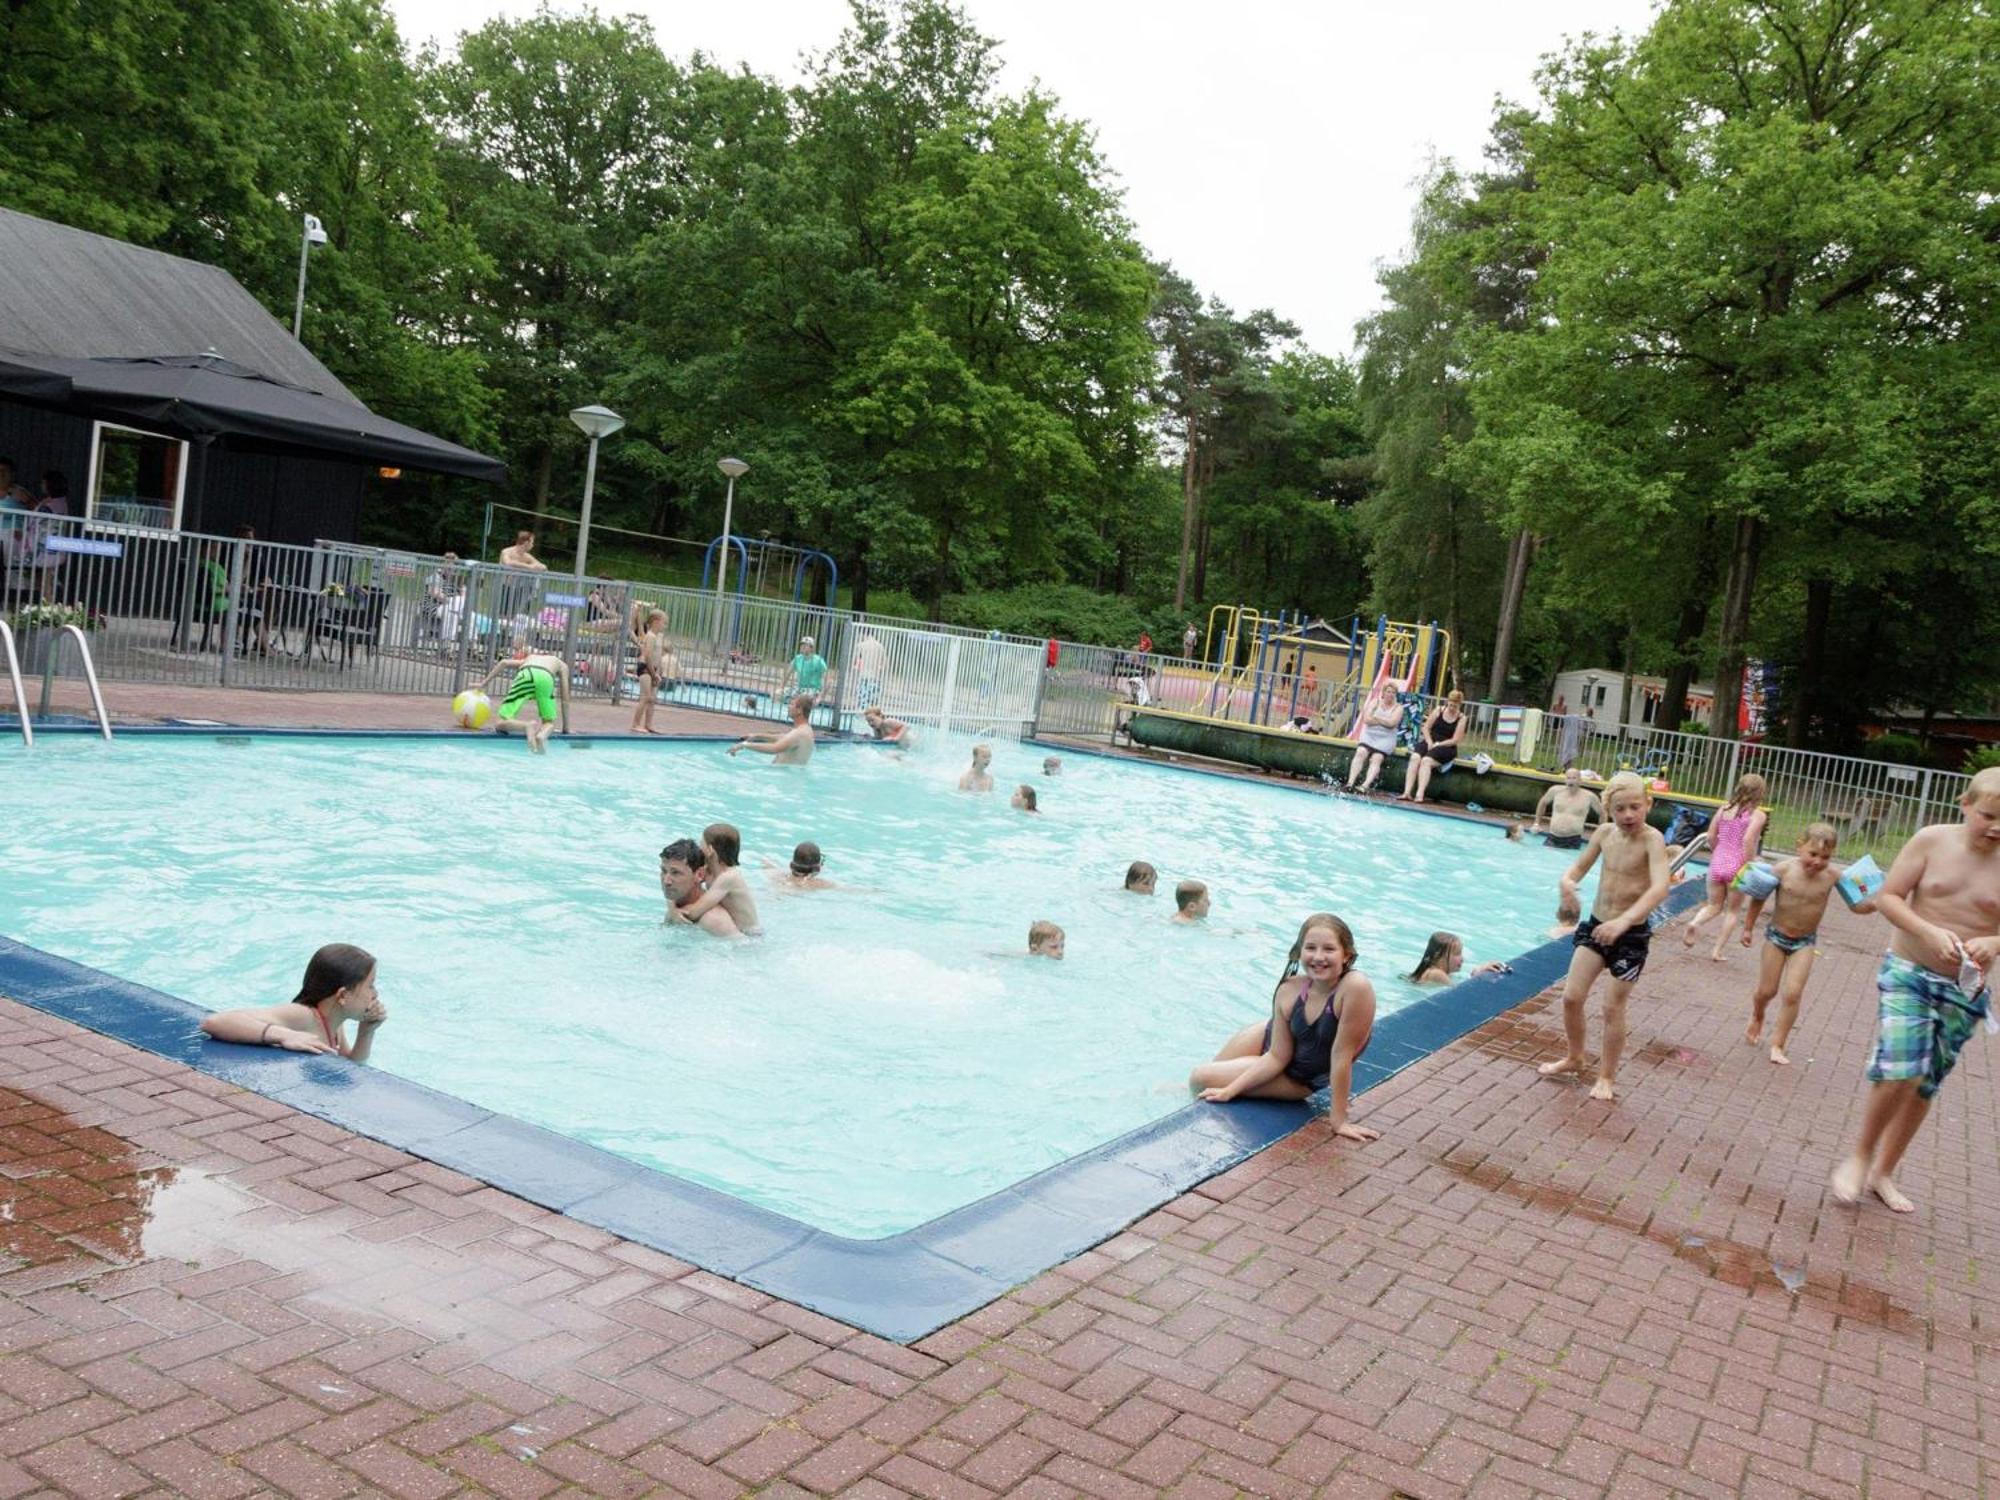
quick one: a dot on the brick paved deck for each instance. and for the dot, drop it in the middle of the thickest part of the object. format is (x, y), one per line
(152, 703)
(1517, 1291)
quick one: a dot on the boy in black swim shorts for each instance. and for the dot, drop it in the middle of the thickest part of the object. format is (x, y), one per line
(1614, 937)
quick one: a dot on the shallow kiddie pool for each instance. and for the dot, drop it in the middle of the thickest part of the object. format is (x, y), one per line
(883, 1056)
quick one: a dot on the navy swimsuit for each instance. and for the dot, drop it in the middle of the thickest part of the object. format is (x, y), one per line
(1312, 1041)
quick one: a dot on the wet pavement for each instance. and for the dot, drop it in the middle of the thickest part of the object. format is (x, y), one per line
(1517, 1291)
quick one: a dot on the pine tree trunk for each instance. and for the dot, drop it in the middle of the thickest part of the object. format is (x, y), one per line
(1201, 561)
(1520, 552)
(1688, 629)
(1738, 592)
(1190, 501)
(544, 468)
(858, 582)
(1812, 663)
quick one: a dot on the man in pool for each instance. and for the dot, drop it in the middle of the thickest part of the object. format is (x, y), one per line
(1567, 809)
(681, 864)
(539, 678)
(792, 748)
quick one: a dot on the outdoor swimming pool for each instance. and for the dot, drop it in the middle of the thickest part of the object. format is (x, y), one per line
(881, 1057)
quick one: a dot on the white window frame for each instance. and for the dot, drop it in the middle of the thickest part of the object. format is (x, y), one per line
(91, 497)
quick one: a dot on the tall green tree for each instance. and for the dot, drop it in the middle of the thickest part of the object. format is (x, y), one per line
(558, 154)
(914, 307)
(1212, 393)
(1769, 223)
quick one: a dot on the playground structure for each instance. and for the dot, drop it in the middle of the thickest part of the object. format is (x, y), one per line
(1288, 669)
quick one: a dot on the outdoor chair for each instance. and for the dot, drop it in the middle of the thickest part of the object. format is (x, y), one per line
(357, 623)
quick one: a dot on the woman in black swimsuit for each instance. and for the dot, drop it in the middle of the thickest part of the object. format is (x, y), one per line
(1321, 1015)
(1436, 748)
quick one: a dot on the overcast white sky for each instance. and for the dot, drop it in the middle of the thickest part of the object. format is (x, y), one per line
(1268, 149)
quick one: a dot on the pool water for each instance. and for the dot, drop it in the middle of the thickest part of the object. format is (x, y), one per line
(883, 1055)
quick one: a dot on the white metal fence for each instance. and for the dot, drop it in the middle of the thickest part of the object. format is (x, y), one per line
(217, 611)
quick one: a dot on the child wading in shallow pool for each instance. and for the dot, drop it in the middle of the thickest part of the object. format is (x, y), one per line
(1045, 940)
(977, 778)
(339, 987)
(1943, 898)
(803, 874)
(1321, 1014)
(1804, 883)
(1615, 936)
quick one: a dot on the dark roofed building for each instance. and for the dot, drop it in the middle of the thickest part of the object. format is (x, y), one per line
(172, 400)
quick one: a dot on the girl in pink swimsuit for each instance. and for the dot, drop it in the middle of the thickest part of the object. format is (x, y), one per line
(1735, 837)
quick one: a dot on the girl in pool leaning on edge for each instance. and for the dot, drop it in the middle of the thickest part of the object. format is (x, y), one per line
(339, 987)
(1317, 1028)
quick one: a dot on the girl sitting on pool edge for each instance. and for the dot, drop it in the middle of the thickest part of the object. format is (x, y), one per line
(1311, 1043)
(339, 987)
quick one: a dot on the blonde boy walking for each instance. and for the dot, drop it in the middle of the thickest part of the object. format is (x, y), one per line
(1804, 883)
(1614, 937)
(1943, 898)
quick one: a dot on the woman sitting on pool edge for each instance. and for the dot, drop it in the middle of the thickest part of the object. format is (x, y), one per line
(1443, 956)
(339, 987)
(1309, 1043)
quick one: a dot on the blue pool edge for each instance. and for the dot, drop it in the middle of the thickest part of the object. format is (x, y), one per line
(901, 1287)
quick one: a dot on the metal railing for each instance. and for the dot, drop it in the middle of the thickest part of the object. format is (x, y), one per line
(166, 607)
(14, 678)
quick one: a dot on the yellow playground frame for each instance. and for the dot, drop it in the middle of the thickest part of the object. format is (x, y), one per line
(1269, 670)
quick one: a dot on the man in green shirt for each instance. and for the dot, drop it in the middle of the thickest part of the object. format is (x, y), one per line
(808, 669)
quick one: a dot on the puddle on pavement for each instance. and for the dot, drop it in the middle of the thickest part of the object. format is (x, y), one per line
(1727, 1261)
(69, 1190)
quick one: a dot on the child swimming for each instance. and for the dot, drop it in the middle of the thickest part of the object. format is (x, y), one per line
(1023, 799)
(1191, 902)
(681, 864)
(1141, 879)
(1052, 765)
(885, 729)
(1317, 1028)
(339, 986)
(977, 778)
(1443, 956)
(1045, 940)
(803, 874)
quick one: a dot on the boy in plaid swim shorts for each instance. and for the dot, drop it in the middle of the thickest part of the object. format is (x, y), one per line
(1943, 898)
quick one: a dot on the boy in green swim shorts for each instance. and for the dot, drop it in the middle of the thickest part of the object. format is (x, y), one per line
(1943, 898)
(539, 678)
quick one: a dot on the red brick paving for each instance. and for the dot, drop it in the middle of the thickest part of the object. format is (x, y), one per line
(1515, 1292)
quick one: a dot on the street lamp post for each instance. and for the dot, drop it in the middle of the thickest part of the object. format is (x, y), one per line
(732, 467)
(314, 234)
(597, 422)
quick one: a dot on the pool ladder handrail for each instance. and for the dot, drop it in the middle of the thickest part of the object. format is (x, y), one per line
(89, 674)
(1697, 845)
(21, 693)
(14, 677)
